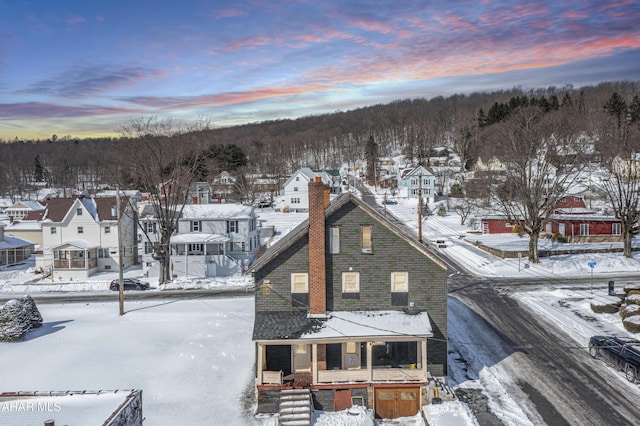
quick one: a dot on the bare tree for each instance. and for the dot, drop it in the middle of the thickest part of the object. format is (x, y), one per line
(163, 160)
(620, 183)
(542, 161)
(244, 188)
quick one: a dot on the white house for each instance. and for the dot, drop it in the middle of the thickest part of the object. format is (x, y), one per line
(80, 236)
(296, 195)
(211, 240)
(20, 209)
(5, 203)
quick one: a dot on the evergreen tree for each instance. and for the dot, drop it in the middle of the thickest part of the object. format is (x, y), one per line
(370, 156)
(38, 173)
(616, 106)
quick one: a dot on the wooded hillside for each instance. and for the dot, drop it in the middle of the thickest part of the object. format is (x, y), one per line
(471, 125)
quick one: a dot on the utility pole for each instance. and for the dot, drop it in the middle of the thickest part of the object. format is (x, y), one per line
(420, 209)
(385, 204)
(120, 260)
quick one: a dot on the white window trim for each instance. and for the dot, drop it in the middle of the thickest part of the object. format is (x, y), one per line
(616, 229)
(303, 276)
(369, 249)
(334, 240)
(394, 283)
(356, 276)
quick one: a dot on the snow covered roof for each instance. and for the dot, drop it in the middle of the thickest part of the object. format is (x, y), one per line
(371, 324)
(90, 205)
(584, 217)
(575, 210)
(81, 244)
(24, 225)
(340, 325)
(10, 242)
(308, 175)
(21, 205)
(197, 237)
(217, 211)
(67, 407)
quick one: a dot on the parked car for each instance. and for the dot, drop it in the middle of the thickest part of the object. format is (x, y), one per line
(440, 243)
(390, 202)
(619, 352)
(129, 284)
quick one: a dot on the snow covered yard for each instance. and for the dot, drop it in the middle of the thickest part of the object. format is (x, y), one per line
(192, 359)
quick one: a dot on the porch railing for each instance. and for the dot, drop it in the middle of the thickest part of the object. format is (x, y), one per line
(75, 263)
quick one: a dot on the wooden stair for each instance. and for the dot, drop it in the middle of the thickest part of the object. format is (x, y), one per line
(295, 407)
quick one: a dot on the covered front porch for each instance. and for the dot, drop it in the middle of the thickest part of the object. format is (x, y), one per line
(74, 260)
(306, 364)
(198, 254)
(359, 346)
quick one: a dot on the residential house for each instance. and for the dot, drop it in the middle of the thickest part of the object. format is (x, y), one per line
(571, 221)
(222, 186)
(492, 165)
(415, 181)
(496, 224)
(334, 180)
(131, 194)
(20, 209)
(80, 236)
(351, 308)
(200, 193)
(627, 165)
(5, 203)
(211, 240)
(581, 227)
(28, 228)
(13, 250)
(296, 197)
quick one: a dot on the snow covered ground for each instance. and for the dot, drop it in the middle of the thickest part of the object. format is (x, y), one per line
(193, 358)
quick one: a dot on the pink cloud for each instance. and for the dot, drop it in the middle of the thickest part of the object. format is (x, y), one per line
(249, 42)
(371, 25)
(228, 13)
(40, 110)
(222, 99)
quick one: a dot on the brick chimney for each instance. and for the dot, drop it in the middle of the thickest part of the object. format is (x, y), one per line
(317, 265)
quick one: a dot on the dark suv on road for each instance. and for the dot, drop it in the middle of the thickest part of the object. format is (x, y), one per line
(620, 352)
(129, 284)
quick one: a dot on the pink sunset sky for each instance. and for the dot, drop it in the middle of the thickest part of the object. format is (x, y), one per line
(84, 68)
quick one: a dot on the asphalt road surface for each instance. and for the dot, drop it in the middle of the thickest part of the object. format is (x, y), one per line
(554, 381)
(112, 296)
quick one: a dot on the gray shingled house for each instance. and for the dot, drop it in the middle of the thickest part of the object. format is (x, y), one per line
(350, 309)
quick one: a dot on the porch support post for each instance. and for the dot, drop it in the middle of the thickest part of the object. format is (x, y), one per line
(314, 363)
(259, 358)
(423, 356)
(370, 361)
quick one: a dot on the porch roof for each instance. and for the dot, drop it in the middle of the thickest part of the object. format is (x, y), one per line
(81, 244)
(10, 242)
(340, 324)
(198, 237)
